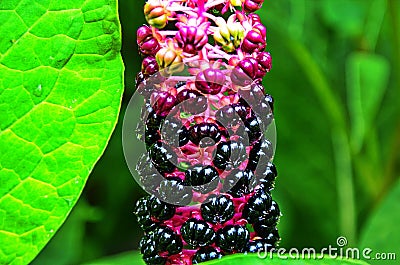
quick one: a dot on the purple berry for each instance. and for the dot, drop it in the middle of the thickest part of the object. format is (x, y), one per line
(149, 65)
(163, 102)
(252, 5)
(210, 81)
(191, 39)
(206, 133)
(245, 72)
(148, 45)
(253, 42)
(191, 101)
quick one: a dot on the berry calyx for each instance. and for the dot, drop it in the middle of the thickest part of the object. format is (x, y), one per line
(229, 34)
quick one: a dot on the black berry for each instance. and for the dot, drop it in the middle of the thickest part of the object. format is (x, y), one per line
(265, 176)
(141, 210)
(217, 209)
(206, 254)
(192, 101)
(258, 245)
(149, 176)
(168, 240)
(160, 210)
(197, 233)
(173, 191)
(205, 176)
(260, 154)
(208, 132)
(253, 128)
(258, 207)
(233, 238)
(238, 182)
(229, 155)
(174, 133)
(163, 157)
(231, 115)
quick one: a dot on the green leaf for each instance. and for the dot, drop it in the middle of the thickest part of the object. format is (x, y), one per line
(367, 79)
(238, 259)
(128, 258)
(382, 232)
(351, 15)
(60, 92)
(185, 115)
(70, 236)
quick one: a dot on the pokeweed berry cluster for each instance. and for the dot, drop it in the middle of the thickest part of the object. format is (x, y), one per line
(208, 162)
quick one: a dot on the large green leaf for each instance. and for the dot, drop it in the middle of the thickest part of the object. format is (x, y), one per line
(382, 232)
(133, 258)
(60, 92)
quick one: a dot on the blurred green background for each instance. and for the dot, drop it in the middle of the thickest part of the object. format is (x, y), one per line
(336, 84)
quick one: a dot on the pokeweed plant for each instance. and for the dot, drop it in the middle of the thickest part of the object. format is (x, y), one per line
(208, 161)
(61, 84)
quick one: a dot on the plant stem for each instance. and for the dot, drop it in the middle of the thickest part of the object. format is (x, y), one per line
(328, 100)
(344, 185)
(340, 138)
